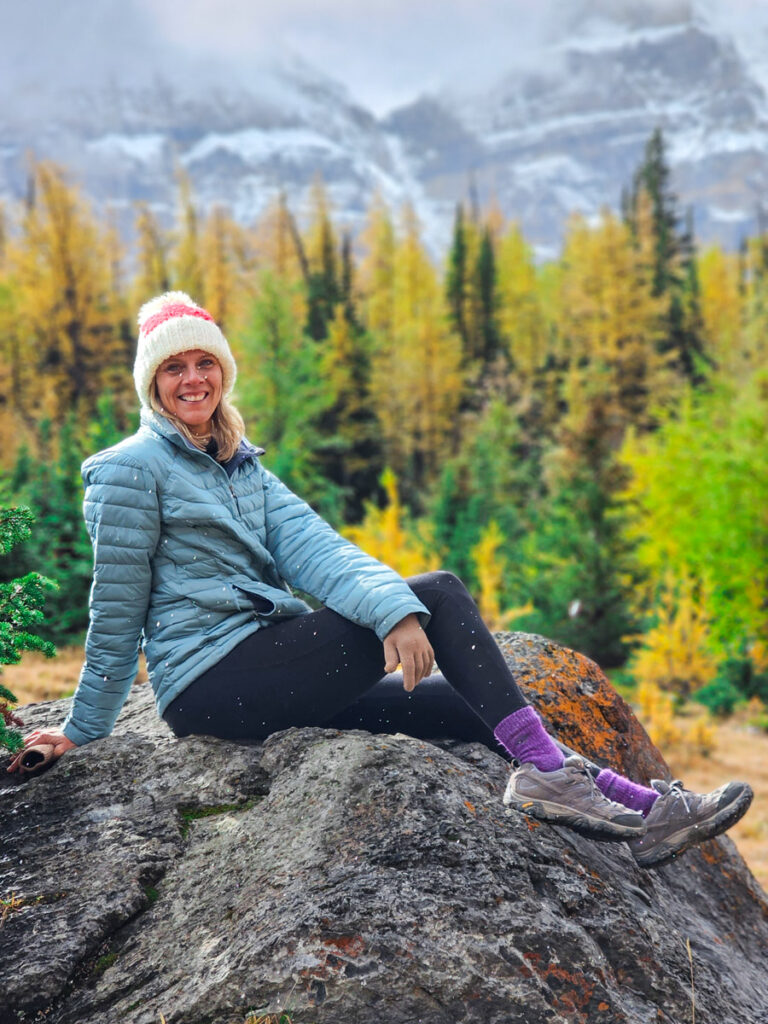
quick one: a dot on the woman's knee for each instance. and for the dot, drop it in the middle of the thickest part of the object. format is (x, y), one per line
(438, 581)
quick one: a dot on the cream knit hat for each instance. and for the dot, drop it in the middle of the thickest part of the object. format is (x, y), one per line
(173, 323)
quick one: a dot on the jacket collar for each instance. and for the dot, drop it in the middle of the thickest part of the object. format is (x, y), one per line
(157, 424)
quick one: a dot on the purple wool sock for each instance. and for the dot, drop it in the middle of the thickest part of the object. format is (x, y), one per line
(525, 738)
(622, 791)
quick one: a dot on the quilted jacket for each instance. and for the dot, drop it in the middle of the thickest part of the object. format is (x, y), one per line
(189, 561)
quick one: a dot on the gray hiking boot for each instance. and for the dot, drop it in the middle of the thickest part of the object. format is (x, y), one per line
(570, 797)
(679, 819)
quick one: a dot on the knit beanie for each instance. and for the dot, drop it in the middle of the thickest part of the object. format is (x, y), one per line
(173, 323)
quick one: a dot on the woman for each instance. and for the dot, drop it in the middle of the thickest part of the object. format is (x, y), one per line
(195, 546)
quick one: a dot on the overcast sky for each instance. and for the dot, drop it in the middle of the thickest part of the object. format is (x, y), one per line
(385, 51)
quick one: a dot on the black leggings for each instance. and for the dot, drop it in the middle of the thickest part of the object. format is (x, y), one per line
(322, 669)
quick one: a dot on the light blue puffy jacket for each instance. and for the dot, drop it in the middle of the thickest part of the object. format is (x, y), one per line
(180, 552)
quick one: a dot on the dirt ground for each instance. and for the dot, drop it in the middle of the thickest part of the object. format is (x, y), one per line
(741, 751)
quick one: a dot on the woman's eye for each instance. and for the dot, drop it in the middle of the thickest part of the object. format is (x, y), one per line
(205, 364)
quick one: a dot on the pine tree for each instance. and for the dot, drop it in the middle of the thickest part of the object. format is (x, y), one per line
(21, 604)
(485, 273)
(579, 565)
(282, 393)
(323, 291)
(493, 477)
(456, 277)
(49, 483)
(675, 278)
(350, 455)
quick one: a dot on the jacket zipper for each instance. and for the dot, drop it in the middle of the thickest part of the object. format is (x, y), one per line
(197, 451)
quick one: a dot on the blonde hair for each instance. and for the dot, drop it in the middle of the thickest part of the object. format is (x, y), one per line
(227, 426)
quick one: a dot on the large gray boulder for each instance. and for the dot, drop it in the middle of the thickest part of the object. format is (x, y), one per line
(345, 877)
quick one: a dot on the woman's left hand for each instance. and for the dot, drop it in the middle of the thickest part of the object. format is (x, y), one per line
(407, 645)
(55, 737)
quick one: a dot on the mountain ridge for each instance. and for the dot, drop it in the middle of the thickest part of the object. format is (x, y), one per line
(544, 143)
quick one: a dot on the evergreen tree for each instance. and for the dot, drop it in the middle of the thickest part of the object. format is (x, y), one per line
(456, 277)
(323, 290)
(49, 483)
(486, 290)
(493, 477)
(579, 568)
(675, 278)
(21, 603)
(282, 393)
(350, 454)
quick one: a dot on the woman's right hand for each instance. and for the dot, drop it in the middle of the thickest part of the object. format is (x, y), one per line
(55, 737)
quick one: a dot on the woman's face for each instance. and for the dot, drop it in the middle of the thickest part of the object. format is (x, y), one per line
(189, 386)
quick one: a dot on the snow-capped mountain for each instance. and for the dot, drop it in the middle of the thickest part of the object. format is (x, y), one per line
(569, 136)
(240, 142)
(564, 137)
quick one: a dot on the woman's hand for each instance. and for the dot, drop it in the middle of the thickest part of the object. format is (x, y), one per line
(407, 645)
(55, 737)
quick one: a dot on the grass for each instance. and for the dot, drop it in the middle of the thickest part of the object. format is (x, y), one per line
(37, 678)
(740, 752)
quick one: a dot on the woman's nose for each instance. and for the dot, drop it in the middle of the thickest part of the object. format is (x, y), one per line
(191, 374)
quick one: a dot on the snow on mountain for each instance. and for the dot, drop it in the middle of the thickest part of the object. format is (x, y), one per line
(569, 136)
(564, 132)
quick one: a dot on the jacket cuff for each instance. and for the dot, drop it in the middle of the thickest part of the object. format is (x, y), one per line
(407, 608)
(77, 736)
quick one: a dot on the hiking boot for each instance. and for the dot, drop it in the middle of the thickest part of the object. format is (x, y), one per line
(680, 819)
(570, 797)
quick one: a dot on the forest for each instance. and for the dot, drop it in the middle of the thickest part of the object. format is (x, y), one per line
(581, 440)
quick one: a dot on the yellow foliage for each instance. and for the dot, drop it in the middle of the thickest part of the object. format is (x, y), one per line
(489, 567)
(383, 535)
(277, 243)
(609, 319)
(675, 655)
(152, 277)
(701, 735)
(521, 315)
(657, 712)
(416, 376)
(225, 261)
(61, 343)
(721, 307)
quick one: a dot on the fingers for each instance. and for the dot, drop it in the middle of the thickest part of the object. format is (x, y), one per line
(55, 738)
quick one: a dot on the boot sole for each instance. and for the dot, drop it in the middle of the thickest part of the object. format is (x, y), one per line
(673, 846)
(586, 825)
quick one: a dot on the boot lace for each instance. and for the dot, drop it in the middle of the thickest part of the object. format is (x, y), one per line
(677, 792)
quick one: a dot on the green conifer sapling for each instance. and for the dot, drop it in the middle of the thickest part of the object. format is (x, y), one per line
(21, 604)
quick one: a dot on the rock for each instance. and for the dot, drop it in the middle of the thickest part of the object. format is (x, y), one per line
(345, 877)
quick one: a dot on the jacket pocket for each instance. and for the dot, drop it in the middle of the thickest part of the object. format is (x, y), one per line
(271, 602)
